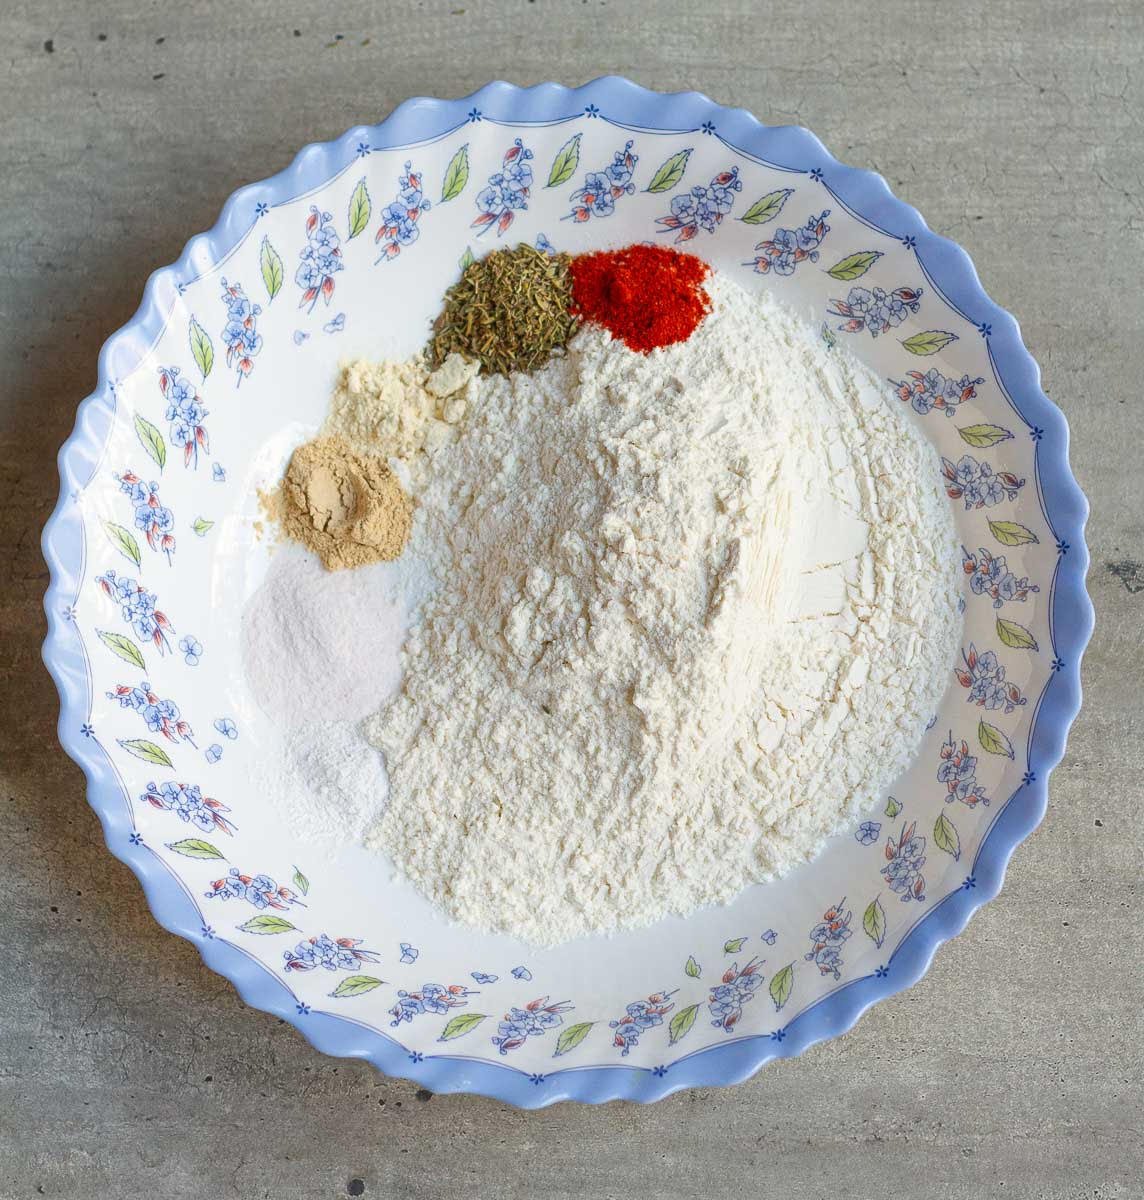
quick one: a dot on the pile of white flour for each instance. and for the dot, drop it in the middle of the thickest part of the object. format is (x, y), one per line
(692, 611)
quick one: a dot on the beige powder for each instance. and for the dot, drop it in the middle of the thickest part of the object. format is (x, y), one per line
(348, 508)
(400, 409)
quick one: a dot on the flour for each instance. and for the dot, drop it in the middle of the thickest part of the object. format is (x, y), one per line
(691, 613)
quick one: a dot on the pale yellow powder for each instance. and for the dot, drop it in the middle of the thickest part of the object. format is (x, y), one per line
(399, 409)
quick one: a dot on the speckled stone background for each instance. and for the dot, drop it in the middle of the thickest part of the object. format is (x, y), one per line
(1014, 1069)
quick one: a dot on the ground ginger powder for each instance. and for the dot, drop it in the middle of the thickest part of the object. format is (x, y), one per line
(348, 508)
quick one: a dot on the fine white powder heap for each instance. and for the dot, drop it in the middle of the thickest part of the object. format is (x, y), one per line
(692, 612)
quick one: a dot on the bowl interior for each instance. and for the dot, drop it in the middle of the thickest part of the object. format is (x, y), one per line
(233, 367)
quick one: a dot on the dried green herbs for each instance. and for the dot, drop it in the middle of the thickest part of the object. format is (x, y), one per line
(509, 311)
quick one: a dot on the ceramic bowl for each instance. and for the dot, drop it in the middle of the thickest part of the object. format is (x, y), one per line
(228, 362)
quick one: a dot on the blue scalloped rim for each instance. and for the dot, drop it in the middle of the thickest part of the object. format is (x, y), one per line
(867, 195)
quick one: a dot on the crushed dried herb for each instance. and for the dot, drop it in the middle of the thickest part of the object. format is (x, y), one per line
(509, 310)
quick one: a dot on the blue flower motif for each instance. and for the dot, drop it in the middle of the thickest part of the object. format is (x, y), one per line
(135, 838)
(137, 607)
(260, 891)
(341, 954)
(769, 936)
(218, 473)
(399, 219)
(240, 334)
(192, 650)
(521, 973)
(189, 804)
(786, 248)
(87, 730)
(534, 1020)
(363, 149)
(432, 998)
(261, 209)
(638, 1018)
(868, 832)
(704, 207)
(659, 1072)
(984, 676)
(213, 753)
(416, 1056)
(320, 259)
(544, 245)
(737, 987)
(474, 115)
(226, 727)
(507, 191)
(185, 414)
(161, 716)
(930, 390)
(828, 938)
(601, 189)
(151, 517)
(905, 859)
(483, 978)
(591, 111)
(303, 1010)
(875, 309)
(409, 954)
(989, 575)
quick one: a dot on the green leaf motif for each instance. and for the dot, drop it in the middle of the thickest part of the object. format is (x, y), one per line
(267, 923)
(945, 837)
(854, 266)
(929, 342)
(893, 807)
(270, 261)
(681, 1023)
(360, 208)
(460, 1025)
(670, 173)
(1015, 636)
(195, 848)
(993, 740)
(767, 208)
(148, 752)
(202, 526)
(572, 1037)
(202, 348)
(566, 161)
(692, 969)
(467, 260)
(124, 541)
(734, 945)
(124, 647)
(356, 985)
(1009, 533)
(984, 436)
(782, 985)
(301, 882)
(152, 441)
(874, 922)
(456, 174)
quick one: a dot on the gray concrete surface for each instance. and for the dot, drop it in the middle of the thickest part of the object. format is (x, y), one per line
(1014, 1069)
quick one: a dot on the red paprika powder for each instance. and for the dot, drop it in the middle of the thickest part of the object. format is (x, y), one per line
(647, 296)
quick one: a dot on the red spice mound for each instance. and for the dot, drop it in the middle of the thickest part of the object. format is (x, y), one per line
(647, 296)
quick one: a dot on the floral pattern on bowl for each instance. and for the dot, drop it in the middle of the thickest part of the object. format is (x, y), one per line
(145, 545)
